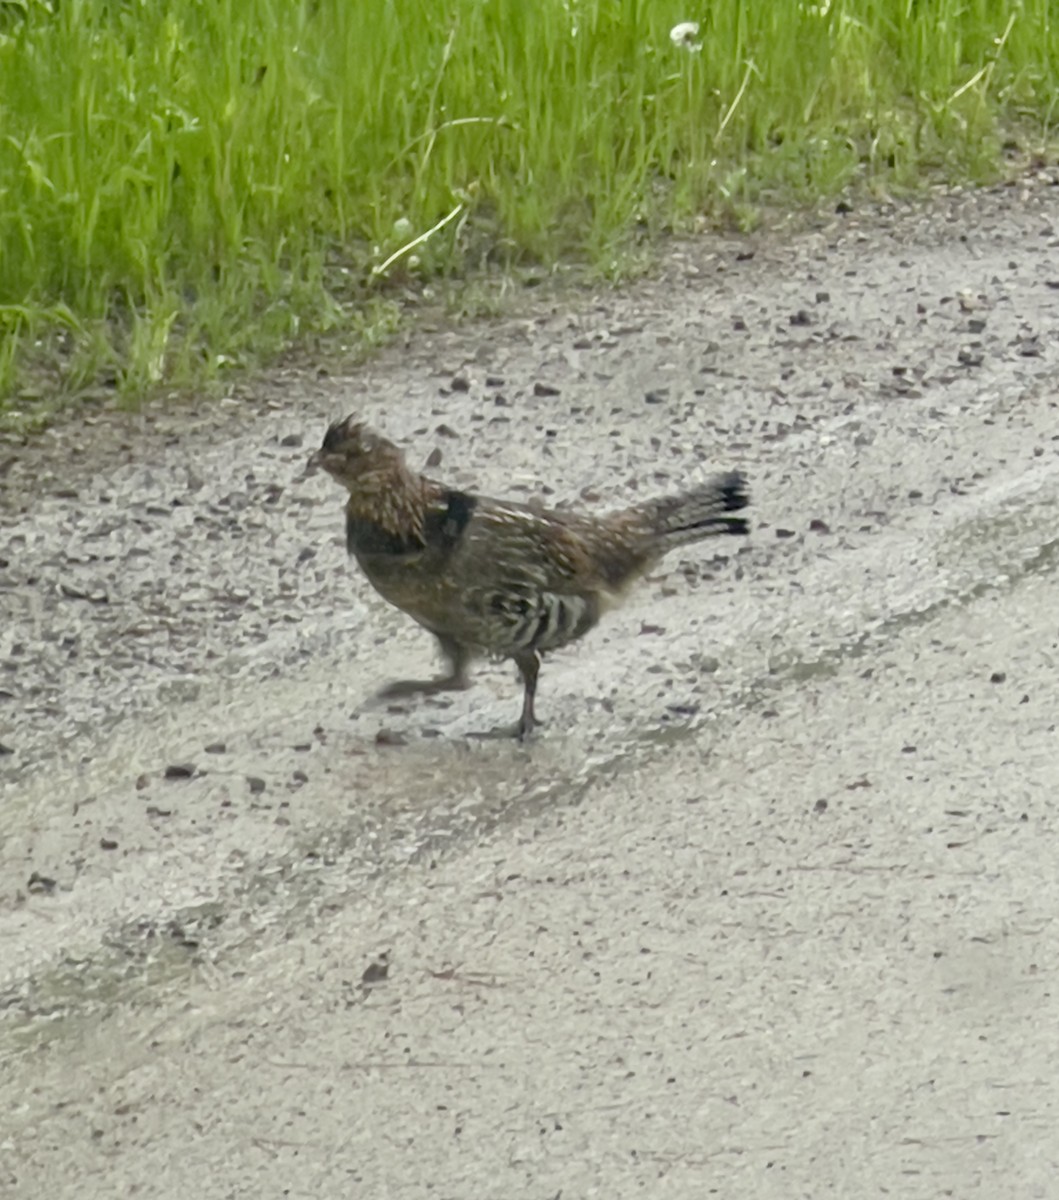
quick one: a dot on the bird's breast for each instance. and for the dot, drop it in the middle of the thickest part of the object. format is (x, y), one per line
(369, 539)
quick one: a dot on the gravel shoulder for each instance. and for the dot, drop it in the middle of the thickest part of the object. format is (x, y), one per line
(768, 908)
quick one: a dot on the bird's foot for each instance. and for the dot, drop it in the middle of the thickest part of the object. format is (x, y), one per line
(403, 688)
(499, 733)
(521, 731)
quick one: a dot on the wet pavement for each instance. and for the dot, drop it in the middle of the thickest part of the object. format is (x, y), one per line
(768, 907)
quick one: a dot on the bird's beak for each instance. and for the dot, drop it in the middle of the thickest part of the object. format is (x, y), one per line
(311, 467)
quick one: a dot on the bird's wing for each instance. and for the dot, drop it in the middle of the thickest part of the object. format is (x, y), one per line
(525, 579)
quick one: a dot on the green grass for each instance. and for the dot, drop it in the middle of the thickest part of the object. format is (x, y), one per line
(186, 187)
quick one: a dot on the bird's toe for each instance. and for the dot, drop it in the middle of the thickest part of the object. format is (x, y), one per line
(402, 688)
(502, 733)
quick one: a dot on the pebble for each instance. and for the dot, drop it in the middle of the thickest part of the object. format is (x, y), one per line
(390, 737)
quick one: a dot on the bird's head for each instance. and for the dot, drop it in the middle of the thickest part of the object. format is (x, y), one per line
(352, 450)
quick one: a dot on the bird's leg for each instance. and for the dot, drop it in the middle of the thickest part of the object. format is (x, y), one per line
(529, 665)
(457, 680)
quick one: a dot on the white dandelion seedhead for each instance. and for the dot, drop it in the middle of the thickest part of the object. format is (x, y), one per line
(685, 36)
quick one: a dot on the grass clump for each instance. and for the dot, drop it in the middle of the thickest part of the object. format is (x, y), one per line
(186, 186)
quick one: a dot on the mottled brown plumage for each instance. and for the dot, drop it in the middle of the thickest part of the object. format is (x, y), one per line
(494, 577)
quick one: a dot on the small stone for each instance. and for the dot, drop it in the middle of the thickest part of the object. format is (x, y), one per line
(41, 885)
(460, 383)
(998, 677)
(434, 458)
(96, 596)
(390, 737)
(256, 785)
(818, 526)
(216, 748)
(545, 389)
(291, 439)
(785, 533)
(446, 431)
(377, 971)
(180, 771)
(106, 843)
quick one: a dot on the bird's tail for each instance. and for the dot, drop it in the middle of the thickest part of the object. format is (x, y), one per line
(700, 513)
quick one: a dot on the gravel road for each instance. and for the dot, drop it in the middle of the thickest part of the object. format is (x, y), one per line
(769, 907)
